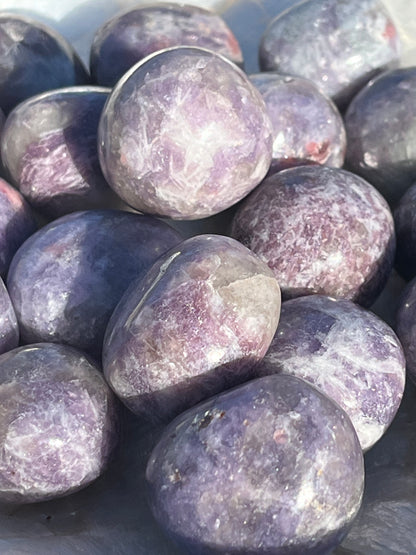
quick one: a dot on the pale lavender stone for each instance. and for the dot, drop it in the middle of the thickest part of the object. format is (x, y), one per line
(338, 44)
(321, 230)
(307, 126)
(381, 132)
(405, 225)
(58, 423)
(17, 223)
(49, 149)
(195, 325)
(9, 329)
(67, 278)
(348, 353)
(273, 466)
(184, 134)
(134, 34)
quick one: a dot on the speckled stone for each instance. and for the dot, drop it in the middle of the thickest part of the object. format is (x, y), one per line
(347, 352)
(307, 126)
(49, 149)
(204, 314)
(339, 44)
(405, 225)
(321, 230)
(17, 223)
(272, 467)
(406, 326)
(135, 33)
(184, 134)
(58, 423)
(381, 132)
(67, 278)
(9, 329)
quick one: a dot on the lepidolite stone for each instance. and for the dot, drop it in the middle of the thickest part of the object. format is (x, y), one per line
(307, 126)
(184, 134)
(9, 329)
(58, 422)
(347, 352)
(406, 326)
(273, 466)
(197, 323)
(338, 44)
(321, 230)
(381, 132)
(134, 34)
(49, 148)
(405, 225)
(67, 278)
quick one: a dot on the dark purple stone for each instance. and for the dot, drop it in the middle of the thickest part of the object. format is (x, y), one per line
(67, 278)
(58, 422)
(184, 134)
(307, 126)
(381, 132)
(406, 326)
(9, 329)
(321, 230)
(348, 353)
(35, 58)
(272, 467)
(134, 34)
(338, 44)
(17, 223)
(49, 148)
(204, 314)
(405, 225)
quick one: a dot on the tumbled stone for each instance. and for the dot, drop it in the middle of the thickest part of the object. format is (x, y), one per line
(273, 466)
(321, 230)
(9, 329)
(405, 225)
(196, 324)
(184, 134)
(58, 422)
(406, 326)
(67, 278)
(347, 352)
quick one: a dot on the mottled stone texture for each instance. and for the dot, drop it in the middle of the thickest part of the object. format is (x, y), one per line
(184, 134)
(49, 148)
(132, 35)
(9, 329)
(321, 230)
(406, 326)
(35, 58)
(381, 132)
(347, 352)
(58, 423)
(67, 278)
(17, 223)
(272, 467)
(405, 225)
(339, 44)
(307, 126)
(195, 325)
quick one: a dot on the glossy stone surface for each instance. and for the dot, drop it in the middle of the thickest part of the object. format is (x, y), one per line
(9, 329)
(17, 223)
(321, 230)
(307, 126)
(49, 148)
(272, 466)
(406, 326)
(196, 324)
(348, 353)
(133, 34)
(67, 278)
(35, 58)
(405, 224)
(58, 422)
(381, 132)
(339, 44)
(184, 134)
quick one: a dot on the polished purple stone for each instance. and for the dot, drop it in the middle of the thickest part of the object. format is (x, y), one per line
(347, 352)
(321, 230)
(406, 326)
(381, 132)
(184, 134)
(67, 278)
(134, 34)
(58, 422)
(272, 467)
(405, 224)
(204, 314)
(35, 58)
(338, 44)
(9, 329)
(307, 126)
(49, 148)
